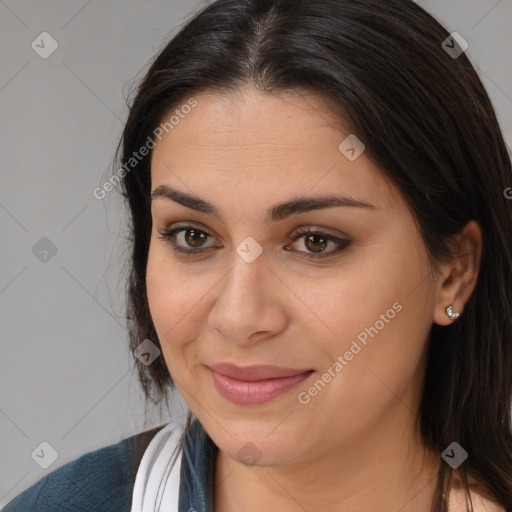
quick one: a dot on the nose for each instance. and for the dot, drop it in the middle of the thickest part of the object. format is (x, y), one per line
(249, 307)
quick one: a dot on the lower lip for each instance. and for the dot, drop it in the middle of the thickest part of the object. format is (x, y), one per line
(243, 392)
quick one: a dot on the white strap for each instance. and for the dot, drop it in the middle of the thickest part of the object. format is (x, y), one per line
(157, 481)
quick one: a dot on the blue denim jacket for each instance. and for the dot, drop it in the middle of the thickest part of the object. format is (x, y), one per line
(103, 480)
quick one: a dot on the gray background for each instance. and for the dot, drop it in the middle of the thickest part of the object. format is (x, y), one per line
(65, 372)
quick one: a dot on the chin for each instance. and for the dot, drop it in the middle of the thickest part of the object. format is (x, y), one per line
(262, 453)
(251, 444)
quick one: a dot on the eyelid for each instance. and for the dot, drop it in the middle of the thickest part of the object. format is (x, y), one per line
(317, 229)
(342, 242)
(184, 225)
(300, 229)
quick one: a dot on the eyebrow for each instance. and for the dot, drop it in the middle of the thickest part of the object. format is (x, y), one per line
(275, 213)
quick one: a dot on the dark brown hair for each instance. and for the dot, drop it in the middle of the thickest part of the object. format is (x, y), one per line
(426, 121)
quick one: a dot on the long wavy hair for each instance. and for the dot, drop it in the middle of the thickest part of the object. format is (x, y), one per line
(426, 121)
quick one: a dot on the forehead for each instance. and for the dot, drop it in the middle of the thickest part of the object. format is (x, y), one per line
(259, 146)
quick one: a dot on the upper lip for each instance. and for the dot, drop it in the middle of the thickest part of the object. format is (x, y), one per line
(255, 372)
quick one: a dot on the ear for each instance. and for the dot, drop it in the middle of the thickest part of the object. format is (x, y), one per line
(457, 279)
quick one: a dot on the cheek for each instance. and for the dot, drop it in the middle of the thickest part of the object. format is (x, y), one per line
(177, 298)
(171, 289)
(379, 368)
(170, 298)
(379, 315)
(158, 284)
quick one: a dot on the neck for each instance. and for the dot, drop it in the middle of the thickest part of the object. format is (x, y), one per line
(387, 469)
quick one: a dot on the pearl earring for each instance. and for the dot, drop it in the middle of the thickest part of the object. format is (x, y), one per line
(451, 313)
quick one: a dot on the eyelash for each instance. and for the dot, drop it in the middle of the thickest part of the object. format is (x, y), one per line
(342, 244)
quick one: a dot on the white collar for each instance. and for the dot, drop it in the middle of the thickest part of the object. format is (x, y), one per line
(157, 481)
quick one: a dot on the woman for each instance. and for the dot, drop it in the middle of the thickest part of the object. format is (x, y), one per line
(321, 253)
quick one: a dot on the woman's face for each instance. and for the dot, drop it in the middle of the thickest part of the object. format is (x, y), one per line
(347, 317)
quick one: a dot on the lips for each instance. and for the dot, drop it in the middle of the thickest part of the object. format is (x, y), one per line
(252, 385)
(254, 373)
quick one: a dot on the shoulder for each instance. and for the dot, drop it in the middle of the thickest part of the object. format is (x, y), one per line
(101, 480)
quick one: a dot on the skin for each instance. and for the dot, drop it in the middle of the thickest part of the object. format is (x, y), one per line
(244, 153)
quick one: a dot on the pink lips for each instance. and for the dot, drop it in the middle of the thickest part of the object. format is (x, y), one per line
(254, 385)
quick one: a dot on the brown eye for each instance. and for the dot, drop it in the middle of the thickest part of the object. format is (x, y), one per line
(316, 242)
(191, 239)
(196, 238)
(188, 239)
